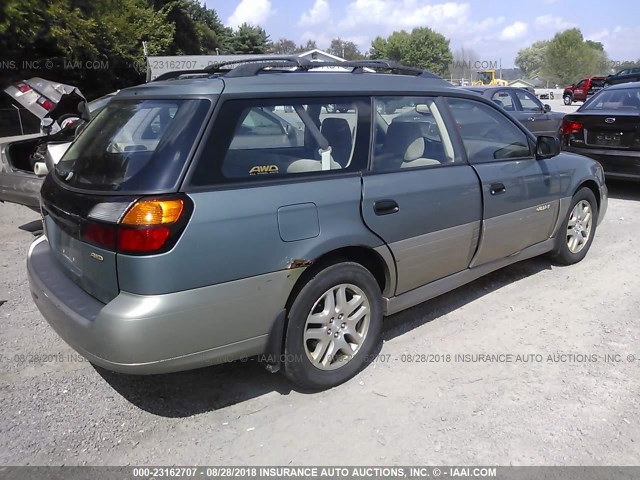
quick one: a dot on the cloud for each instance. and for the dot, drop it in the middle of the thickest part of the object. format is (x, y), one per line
(319, 14)
(396, 14)
(552, 22)
(253, 12)
(514, 31)
(620, 43)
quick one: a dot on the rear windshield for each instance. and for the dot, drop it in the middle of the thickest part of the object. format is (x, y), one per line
(134, 146)
(627, 99)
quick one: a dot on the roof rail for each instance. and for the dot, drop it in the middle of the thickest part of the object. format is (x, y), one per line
(252, 66)
(182, 73)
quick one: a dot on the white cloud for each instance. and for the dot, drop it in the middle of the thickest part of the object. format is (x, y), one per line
(253, 12)
(319, 14)
(552, 22)
(514, 31)
(396, 14)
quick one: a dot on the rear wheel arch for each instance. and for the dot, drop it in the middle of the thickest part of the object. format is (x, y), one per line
(365, 256)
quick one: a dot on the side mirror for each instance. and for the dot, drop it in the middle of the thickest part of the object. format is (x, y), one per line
(547, 108)
(46, 124)
(547, 147)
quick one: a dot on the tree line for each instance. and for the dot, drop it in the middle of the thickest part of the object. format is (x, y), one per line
(97, 45)
(566, 58)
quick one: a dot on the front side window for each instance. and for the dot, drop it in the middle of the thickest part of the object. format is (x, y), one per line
(487, 134)
(255, 140)
(581, 83)
(134, 145)
(413, 136)
(529, 102)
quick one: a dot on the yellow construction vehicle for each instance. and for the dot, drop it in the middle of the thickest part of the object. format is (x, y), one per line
(488, 77)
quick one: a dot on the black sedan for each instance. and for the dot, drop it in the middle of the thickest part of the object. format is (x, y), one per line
(624, 76)
(607, 129)
(524, 107)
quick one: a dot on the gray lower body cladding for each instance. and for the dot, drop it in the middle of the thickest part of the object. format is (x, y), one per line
(148, 334)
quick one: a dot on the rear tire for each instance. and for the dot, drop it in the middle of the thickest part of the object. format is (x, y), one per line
(333, 326)
(576, 232)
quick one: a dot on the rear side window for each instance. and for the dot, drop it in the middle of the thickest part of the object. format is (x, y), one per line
(487, 134)
(134, 145)
(260, 139)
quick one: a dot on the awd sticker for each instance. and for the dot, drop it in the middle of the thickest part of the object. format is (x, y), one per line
(542, 208)
(260, 169)
(96, 256)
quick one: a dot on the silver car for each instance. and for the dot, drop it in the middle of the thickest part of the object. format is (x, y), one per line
(185, 228)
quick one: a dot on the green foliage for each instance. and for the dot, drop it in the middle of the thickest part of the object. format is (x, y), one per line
(569, 57)
(565, 59)
(531, 60)
(284, 46)
(97, 45)
(421, 48)
(345, 49)
(249, 39)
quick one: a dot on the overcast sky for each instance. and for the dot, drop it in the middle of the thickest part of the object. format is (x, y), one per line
(495, 29)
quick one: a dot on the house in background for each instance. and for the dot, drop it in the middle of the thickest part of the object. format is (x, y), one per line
(520, 83)
(157, 66)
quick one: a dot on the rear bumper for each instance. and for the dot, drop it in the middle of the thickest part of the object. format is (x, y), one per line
(617, 164)
(20, 188)
(149, 334)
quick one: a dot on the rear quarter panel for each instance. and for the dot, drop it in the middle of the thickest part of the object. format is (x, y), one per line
(248, 231)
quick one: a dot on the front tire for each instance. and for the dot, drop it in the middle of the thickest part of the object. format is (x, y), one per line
(333, 326)
(567, 99)
(578, 229)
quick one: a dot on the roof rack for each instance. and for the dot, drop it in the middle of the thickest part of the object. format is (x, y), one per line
(252, 66)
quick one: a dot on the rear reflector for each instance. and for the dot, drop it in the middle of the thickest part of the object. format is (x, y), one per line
(154, 212)
(100, 234)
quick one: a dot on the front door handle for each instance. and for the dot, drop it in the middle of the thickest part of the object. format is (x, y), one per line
(385, 207)
(497, 188)
(532, 119)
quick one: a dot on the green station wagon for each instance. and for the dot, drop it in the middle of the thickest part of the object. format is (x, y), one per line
(215, 215)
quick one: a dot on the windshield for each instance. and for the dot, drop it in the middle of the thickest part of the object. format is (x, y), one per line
(627, 99)
(134, 145)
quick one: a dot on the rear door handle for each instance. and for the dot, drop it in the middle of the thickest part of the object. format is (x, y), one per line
(497, 188)
(385, 207)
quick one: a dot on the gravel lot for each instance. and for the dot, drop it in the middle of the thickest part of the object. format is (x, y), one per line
(520, 412)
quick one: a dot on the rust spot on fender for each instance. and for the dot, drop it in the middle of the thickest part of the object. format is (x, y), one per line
(299, 262)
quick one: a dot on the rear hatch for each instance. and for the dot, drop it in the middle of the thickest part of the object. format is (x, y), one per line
(132, 151)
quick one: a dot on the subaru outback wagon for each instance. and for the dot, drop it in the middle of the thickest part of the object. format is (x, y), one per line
(203, 220)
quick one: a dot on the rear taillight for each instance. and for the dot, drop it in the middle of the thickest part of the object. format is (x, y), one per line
(147, 227)
(23, 87)
(45, 103)
(569, 127)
